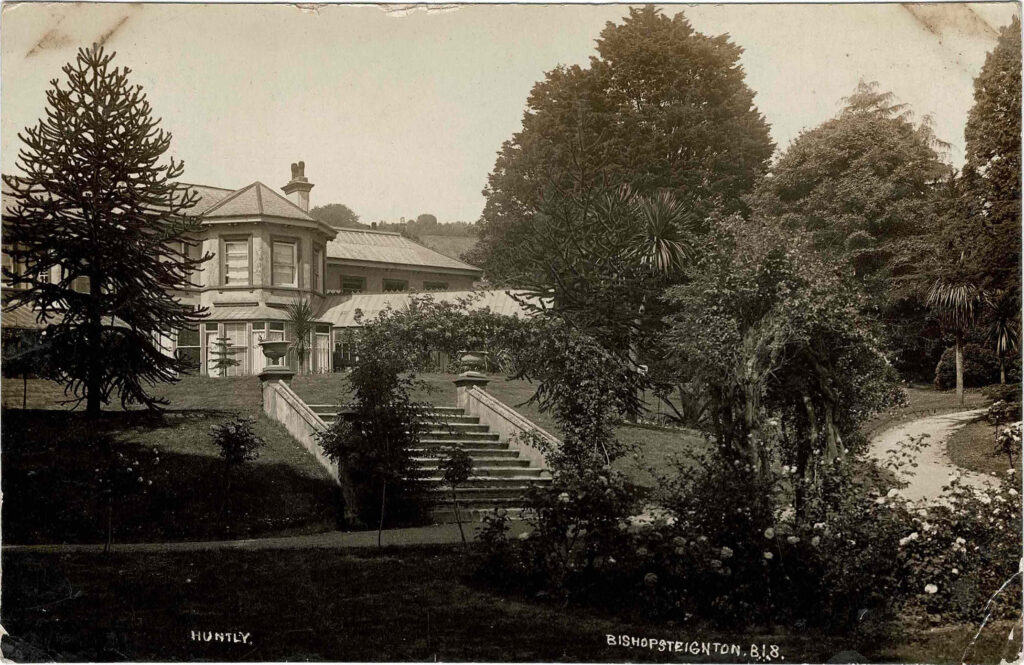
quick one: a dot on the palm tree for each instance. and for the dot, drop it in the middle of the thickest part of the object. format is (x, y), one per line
(302, 322)
(955, 301)
(662, 243)
(1004, 306)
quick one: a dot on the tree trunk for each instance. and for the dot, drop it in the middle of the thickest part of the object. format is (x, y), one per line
(24, 390)
(458, 518)
(1002, 370)
(94, 333)
(959, 369)
(383, 500)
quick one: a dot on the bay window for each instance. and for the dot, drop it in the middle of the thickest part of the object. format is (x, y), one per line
(236, 262)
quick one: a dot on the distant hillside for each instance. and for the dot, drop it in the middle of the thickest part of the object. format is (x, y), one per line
(451, 246)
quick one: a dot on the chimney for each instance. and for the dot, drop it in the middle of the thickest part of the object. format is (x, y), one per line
(298, 188)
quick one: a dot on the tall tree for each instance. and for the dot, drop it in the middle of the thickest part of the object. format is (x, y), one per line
(94, 202)
(992, 173)
(956, 301)
(338, 215)
(866, 186)
(660, 107)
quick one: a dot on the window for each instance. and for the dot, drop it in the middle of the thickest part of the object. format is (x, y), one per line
(352, 285)
(236, 261)
(237, 343)
(318, 270)
(283, 262)
(395, 285)
(187, 347)
(435, 286)
(322, 349)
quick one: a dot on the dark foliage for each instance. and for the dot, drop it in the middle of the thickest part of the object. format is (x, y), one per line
(981, 368)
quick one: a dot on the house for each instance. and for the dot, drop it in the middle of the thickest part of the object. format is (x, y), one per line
(269, 253)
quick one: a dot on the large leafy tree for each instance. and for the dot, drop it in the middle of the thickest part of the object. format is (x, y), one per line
(95, 202)
(338, 215)
(660, 107)
(992, 173)
(867, 187)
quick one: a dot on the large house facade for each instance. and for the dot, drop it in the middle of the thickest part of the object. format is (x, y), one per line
(269, 253)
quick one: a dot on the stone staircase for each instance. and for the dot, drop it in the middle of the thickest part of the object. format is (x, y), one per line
(499, 478)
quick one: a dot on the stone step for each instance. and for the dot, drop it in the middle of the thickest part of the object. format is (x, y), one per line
(469, 444)
(434, 474)
(445, 437)
(439, 419)
(513, 494)
(487, 449)
(517, 481)
(483, 461)
(450, 427)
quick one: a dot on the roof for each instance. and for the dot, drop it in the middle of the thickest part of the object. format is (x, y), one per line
(208, 197)
(340, 311)
(246, 313)
(253, 200)
(387, 247)
(24, 317)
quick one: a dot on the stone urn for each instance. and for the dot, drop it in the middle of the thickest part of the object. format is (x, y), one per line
(473, 361)
(275, 350)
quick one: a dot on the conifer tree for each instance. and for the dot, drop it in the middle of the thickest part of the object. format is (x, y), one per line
(94, 205)
(223, 356)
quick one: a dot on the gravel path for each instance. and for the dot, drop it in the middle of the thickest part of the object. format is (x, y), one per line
(427, 535)
(925, 481)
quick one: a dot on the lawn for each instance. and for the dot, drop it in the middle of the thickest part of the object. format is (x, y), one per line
(973, 447)
(50, 477)
(656, 447)
(394, 605)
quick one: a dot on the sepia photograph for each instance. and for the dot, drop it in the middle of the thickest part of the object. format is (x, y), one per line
(511, 333)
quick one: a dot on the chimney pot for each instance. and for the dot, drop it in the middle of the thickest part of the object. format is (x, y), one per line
(297, 189)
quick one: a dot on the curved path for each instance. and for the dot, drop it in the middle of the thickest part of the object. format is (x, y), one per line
(925, 481)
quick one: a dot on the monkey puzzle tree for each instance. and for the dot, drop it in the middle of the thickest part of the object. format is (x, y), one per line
(94, 204)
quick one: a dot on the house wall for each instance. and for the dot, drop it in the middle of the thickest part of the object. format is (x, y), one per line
(375, 277)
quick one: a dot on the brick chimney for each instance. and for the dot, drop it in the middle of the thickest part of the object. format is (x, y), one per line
(298, 188)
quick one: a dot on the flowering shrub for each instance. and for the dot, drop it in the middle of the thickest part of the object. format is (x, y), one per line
(1008, 440)
(121, 477)
(580, 534)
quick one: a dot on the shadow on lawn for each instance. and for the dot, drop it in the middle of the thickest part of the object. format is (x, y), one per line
(51, 494)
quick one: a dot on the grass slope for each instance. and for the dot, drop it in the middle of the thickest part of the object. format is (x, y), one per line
(973, 447)
(453, 246)
(49, 472)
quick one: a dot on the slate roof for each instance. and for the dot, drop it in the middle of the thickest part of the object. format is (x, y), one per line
(25, 317)
(387, 247)
(246, 313)
(255, 199)
(340, 311)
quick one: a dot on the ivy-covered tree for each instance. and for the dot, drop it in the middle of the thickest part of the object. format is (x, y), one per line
(992, 175)
(660, 107)
(780, 345)
(94, 203)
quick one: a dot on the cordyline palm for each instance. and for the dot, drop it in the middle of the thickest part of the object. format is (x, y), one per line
(662, 243)
(302, 321)
(955, 301)
(1004, 305)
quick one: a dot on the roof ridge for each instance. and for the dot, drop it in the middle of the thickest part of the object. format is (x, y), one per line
(198, 184)
(259, 198)
(235, 194)
(283, 198)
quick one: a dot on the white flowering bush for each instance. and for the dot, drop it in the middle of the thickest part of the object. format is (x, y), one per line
(957, 555)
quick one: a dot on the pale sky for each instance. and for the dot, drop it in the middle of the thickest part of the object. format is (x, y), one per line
(401, 114)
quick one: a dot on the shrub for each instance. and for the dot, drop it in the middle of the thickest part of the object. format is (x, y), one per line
(1003, 393)
(981, 368)
(1008, 439)
(238, 443)
(1001, 412)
